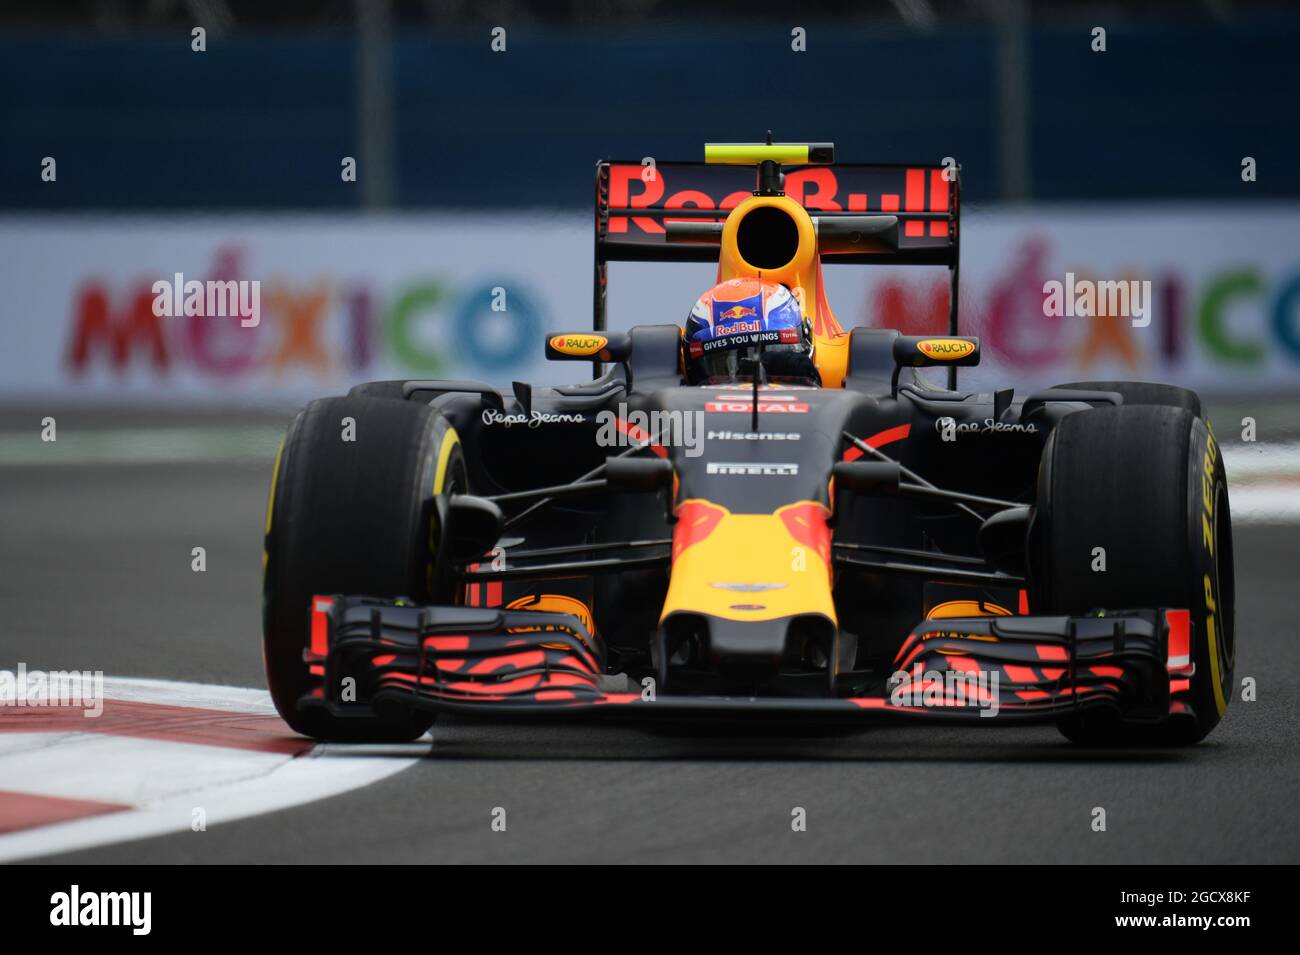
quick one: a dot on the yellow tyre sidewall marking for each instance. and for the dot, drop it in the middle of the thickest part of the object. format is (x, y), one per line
(449, 440)
(1220, 701)
(270, 501)
(1209, 460)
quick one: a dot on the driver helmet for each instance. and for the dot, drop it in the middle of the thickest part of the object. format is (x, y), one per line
(741, 322)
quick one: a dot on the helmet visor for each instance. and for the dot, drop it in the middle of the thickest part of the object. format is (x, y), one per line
(780, 362)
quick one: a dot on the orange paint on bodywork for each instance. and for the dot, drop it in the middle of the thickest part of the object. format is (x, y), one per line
(751, 566)
(806, 523)
(695, 521)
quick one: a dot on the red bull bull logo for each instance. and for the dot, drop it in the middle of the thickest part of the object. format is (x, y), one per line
(737, 312)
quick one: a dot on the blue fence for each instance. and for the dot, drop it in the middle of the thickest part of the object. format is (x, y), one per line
(263, 121)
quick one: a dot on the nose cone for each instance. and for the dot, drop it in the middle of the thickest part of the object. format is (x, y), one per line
(747, 656)
(749, 589)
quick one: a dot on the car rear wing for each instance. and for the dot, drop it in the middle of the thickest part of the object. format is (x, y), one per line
(634, 200)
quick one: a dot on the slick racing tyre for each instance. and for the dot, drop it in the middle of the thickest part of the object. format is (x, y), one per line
(1146, 484)
(1144, 393)
(357, 516)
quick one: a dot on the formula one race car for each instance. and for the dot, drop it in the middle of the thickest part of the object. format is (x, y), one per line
(755, 517)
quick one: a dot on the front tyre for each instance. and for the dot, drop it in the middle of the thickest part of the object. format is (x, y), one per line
(354, 509)
(1133, 513)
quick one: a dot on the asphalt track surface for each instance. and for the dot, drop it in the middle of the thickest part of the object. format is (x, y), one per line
(95, 574)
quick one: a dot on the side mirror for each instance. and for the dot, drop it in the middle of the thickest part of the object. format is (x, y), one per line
(1004, 539)
(589, 346)
(867, 477)
(917, 352)
(471, 526)
(638, 474)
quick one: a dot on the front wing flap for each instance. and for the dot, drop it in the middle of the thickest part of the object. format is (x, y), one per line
(504, 662)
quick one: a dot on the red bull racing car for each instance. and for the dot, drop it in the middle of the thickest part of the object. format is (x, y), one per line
(757, 516)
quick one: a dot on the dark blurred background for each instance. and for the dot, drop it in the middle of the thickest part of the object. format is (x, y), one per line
(475, 127)
(1011, 88)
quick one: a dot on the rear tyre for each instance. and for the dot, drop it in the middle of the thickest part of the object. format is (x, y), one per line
(1145, 393)
(356, 516)
(379, 389)
(1146, 484)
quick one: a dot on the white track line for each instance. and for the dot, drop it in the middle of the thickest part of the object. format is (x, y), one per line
(167, 780)
(1250, 461)
(206, 696)
(1263, 482)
